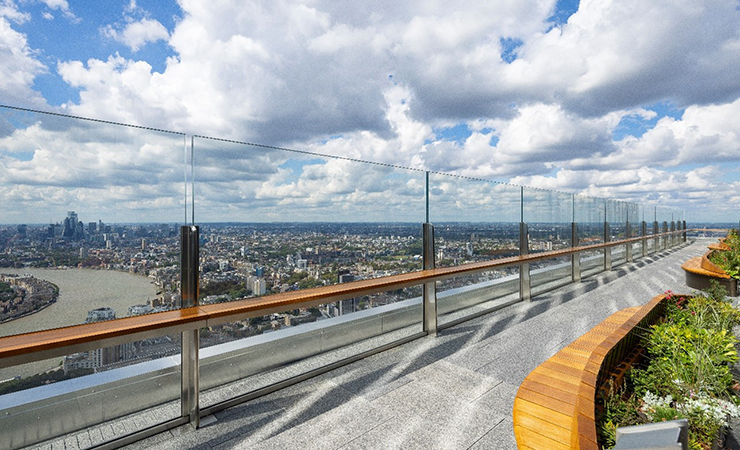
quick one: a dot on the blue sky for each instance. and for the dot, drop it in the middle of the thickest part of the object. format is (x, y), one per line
(623, 99)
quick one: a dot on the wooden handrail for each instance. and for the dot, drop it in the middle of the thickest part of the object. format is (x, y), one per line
(44, 344)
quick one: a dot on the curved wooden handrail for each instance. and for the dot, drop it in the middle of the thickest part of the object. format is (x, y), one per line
(38, 345)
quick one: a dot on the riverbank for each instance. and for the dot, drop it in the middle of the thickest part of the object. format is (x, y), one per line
(80, 290)
(24, 295)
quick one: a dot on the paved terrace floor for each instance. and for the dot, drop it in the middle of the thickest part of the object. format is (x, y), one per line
(452, 391)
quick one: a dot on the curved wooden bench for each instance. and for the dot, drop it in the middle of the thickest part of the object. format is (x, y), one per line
(700, 271)
(554, 408)
(719, 245)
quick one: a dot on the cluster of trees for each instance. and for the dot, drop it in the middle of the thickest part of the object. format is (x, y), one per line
(41, 379)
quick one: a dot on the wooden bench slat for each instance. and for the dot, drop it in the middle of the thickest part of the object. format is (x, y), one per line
(533, 409)
(557, 394)
(538, 441)
(546, 402)
(554, 432)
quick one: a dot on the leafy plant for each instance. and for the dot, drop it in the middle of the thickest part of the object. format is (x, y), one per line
(729, 260)
(686, 373)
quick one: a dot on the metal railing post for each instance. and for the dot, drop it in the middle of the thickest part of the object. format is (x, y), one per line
(575, 258)
(525, 287)
(189, 290)
(656, 239)
(429, 303)
(665, 238)
(643, 233)
(628, 246)
(684, 231)
(673, 236)
(607, 250)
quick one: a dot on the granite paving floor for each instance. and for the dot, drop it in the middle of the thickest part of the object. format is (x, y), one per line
(452, 391)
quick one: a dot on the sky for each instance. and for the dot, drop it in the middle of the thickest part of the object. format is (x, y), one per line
(622, 99)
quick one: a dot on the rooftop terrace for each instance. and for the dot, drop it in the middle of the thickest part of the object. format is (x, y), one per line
(454, 390)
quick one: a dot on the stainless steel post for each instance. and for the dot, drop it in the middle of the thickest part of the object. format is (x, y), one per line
(189, 290)
(525, 287)
(665, 230)
(575, 258)
(429, 303)
(656, 238)
(628, 246)
(684, 231)
(643, 232)
(607, 250)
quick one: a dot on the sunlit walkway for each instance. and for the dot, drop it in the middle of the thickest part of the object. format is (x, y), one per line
(453, 391)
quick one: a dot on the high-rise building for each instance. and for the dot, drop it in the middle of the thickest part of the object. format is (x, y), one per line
(73, 228)
(259, 286)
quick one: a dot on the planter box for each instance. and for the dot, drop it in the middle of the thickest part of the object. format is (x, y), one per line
(700, 272)
(555, 407)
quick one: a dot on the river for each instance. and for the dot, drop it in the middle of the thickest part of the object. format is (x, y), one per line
(80, 290)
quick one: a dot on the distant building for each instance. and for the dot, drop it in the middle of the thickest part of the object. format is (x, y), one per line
(73, 228)
(259, 286)
(99, 357)
(344, 276)
(100, 314)
(138, 310)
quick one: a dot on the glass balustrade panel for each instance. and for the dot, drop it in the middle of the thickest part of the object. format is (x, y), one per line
(275, 221)
(90, 225)
(92, 397)
(590, 216)
(548, 215)
(617, 214)
(474, 220)
(89, 233)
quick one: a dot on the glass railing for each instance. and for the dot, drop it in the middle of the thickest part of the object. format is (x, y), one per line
(91, 231)
(475, 220)
(276, 221)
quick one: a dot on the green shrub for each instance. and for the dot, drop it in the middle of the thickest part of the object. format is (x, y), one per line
(729, 260)
(686, 373)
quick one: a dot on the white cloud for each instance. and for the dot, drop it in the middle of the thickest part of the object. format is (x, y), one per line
(704, 134)
(19, 67)
(56, 164)
(374, 80)
(60, 5)
(615, 54)
(137, 34)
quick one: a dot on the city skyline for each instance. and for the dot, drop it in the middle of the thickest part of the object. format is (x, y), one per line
(585, 97)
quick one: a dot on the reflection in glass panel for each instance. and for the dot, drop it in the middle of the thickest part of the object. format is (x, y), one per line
(81, 196)
(102, 394)
(241, 357)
